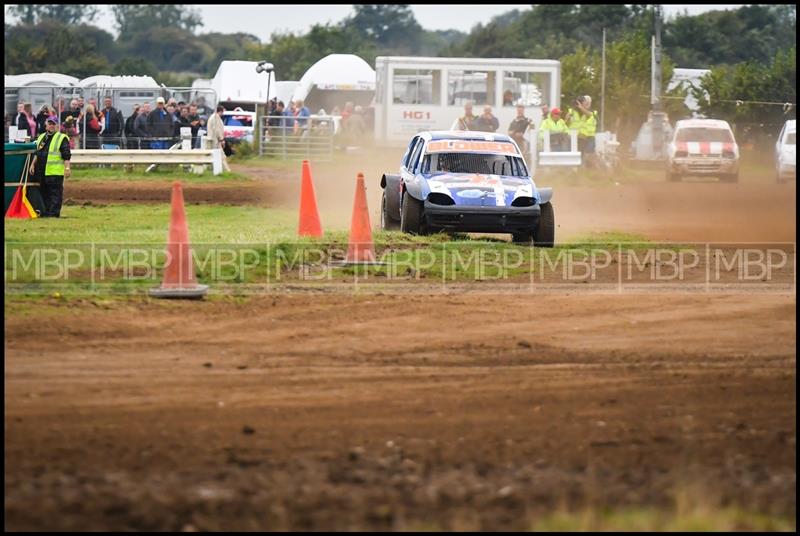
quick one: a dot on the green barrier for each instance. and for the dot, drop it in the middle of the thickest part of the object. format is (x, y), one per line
(13, 164)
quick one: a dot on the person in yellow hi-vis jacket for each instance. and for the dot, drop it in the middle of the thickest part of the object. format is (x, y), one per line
(583, 119)
(559, 135)
(51, 165)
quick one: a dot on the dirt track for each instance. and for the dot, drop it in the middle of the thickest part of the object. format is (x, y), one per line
(756, 210)
(461, 411)
(395, 412)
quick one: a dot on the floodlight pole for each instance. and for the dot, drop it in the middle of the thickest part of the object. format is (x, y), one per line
(603, 87)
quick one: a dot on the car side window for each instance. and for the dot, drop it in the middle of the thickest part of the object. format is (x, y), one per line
(412, 167)
(410, 151)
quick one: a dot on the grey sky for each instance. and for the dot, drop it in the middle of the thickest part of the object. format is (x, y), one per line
(262, 21)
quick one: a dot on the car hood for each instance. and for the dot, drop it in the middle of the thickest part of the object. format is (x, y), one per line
(475, 189)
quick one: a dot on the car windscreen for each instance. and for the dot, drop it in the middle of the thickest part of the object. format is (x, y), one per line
(237, 120)
(790, 139)
(700, 134)
(464, 162)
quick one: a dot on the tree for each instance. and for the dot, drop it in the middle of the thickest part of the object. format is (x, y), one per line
(31, 14)
(388, 24)
(136, 18)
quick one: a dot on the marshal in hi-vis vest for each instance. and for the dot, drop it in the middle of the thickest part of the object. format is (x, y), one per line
(55, 164)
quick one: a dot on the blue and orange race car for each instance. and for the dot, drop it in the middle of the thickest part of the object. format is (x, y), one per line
(468, 182)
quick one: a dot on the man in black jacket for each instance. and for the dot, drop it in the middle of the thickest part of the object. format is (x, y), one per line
(130, 135)
(112, 134)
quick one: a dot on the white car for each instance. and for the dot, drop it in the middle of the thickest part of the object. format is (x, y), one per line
(704, 147)
(238, 125)
(785, 153)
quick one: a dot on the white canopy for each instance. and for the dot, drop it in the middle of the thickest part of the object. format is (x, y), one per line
(40, 79)
(103, 80)
(337, 72)
(238, 81)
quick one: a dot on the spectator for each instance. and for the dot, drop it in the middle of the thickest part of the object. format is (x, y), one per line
(141, 127)
(356, 125)
(41, 117)
(302, 114)
(21, 121)
(508, 98)
(486, 122)
(202, 109)
(74, 111)
(465, 121)
(70, 128)
(583, 119)
(160, 125)
(196, 122)
(130, 135)
(113, 124)
(277, 120)
(93, 128)
(182, 121)
(348, 111)
(518, 127)
(216, 131)
(559, 135)
(51, 164)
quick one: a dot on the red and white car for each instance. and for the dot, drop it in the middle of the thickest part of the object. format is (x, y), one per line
(238, 125)
(703, 147)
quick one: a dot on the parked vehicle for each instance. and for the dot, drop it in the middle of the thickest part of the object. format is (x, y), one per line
(785, 152)
(238, 125)
(703, 147)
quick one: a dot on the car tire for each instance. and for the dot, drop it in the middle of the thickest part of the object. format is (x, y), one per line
(387, 223)
(411, 215)
(545, 233)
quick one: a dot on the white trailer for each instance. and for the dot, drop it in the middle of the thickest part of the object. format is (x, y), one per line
(419, 94)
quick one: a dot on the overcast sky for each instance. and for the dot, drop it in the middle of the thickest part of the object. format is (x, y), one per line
(262, 21)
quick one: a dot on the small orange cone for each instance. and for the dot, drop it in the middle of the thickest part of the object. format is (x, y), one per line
(309, 217)
(360, 249)
(179, 280)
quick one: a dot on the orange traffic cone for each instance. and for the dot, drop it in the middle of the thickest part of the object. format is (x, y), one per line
(309, 217)
(179, 280)
(360, 249)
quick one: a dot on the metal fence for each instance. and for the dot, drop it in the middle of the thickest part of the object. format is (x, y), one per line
(292, 138)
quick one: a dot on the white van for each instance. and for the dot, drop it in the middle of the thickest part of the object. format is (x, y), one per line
(704, 147)
(785, 152)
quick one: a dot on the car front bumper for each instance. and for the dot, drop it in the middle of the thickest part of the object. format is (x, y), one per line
(482, 219)
(788, 171)
(704, 166)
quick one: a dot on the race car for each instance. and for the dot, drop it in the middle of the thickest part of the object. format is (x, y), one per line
(703, 147)
(459, 181)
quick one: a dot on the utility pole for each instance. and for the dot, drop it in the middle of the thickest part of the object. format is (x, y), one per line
(655, 95)
(603, 87)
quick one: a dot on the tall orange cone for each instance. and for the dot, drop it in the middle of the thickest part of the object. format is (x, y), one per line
(360, 249)
(309, 217)
(179, 280)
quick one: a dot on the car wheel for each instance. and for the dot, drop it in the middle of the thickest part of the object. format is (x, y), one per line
(387, 223)
(545, 233)
(411, 215)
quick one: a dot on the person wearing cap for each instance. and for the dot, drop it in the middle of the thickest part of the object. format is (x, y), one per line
(559, 132)
(50, 166)
(160, 125)
(518, 127)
